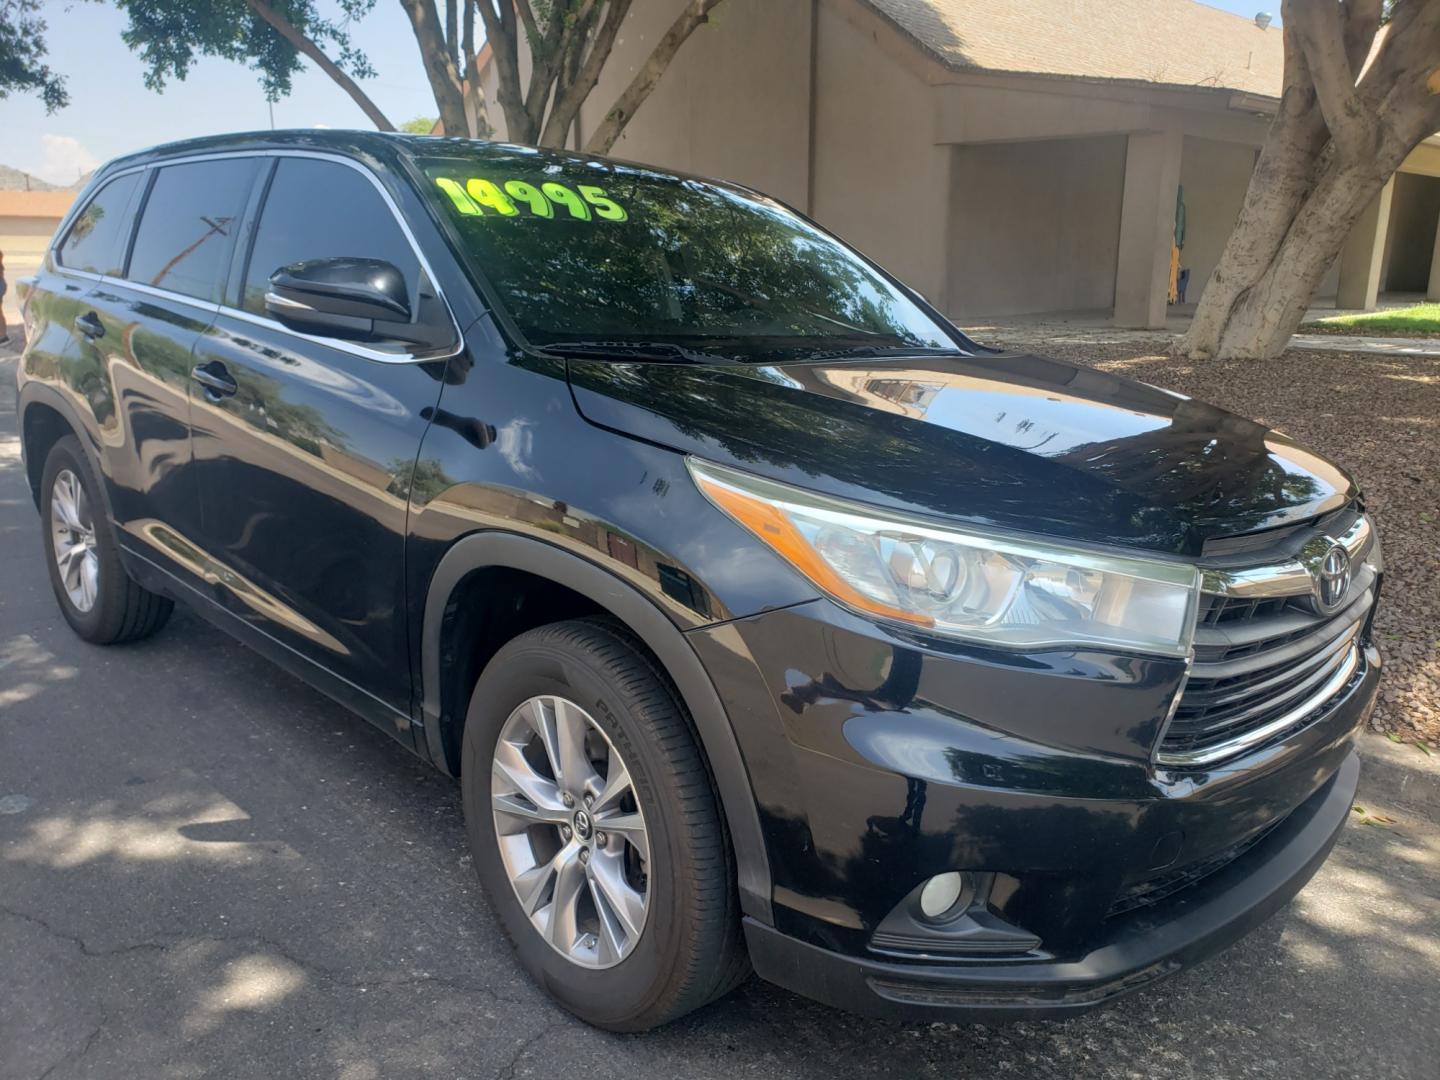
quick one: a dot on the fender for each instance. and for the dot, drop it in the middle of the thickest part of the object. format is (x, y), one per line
(494, 548)
(33, 392)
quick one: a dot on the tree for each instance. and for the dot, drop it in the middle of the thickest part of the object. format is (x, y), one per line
(22, 55)
(420, 125)
(273, 35)
(1342, 129)
(569, 43)
(269, 35)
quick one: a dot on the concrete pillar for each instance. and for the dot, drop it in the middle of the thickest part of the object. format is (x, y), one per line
(1433, 292)
(1363, 256)
(1147, 228)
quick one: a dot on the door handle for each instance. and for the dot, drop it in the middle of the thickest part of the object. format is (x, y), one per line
(214, 378)
(90, 325)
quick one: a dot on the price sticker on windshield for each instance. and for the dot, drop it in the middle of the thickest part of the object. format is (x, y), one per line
(480, 197)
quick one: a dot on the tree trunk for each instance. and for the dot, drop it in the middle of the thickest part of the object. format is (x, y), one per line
(1261, 322)
(437, 56)
(500, 32)
(1333, 145)
(568, 50)
(286, 29)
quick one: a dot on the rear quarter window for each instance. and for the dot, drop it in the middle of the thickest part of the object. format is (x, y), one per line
(95, 241)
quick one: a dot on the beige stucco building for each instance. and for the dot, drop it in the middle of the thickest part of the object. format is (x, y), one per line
(27, 221)
(1004, 156)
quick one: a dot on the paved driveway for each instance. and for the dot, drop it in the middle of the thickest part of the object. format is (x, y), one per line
(207, 869)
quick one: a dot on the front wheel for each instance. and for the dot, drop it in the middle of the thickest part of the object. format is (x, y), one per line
(595, 829)
(99, 600)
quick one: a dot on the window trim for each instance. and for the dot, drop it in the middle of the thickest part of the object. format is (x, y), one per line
(248, 241)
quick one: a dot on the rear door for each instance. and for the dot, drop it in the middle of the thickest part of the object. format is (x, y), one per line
(305, 465)
(139, 326)
(93, 245)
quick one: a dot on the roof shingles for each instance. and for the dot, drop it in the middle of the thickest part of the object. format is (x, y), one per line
(1170, 42)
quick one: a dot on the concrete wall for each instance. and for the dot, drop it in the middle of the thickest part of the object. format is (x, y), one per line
(993, 194)
(1215, 176)
(735, 104)
(1035, 226)
(880, 180)
(23, 241)
(1410, 240)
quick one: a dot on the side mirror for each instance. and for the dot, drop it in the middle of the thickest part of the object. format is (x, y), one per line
(343, 297)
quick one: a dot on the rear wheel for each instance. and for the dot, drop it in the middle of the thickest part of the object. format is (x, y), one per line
(98, 598)
(595, 829)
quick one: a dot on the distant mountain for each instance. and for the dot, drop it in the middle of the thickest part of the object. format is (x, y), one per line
(15, 180)
(78, 184)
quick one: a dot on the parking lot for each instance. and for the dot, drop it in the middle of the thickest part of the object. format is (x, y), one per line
(207, 869)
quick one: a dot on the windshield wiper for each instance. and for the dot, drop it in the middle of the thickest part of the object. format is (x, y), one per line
(866, 352)
(635, 350)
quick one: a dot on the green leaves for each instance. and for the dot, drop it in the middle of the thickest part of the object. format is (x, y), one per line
(170, 34)
(22, 54)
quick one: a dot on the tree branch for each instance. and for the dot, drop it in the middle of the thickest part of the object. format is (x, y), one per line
(302, 44)
(1318, 29)
(1362, 22)
(476, 119)
(500, 33)
(582, 77)
(634, 95)
(436, 56)
(546, 57)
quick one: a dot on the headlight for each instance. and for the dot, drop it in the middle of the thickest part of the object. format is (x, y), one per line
(963, 583)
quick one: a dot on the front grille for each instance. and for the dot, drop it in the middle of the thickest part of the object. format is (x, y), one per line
(1264, 667)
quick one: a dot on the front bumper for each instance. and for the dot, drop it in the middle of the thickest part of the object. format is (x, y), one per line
(1135, 951)
(878, 761)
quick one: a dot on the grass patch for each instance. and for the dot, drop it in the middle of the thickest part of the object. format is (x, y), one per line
(1422, 320)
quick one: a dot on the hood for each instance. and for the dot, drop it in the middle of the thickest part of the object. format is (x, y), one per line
(1023, 443)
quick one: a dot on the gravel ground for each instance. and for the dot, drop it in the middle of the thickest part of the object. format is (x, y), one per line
(1379, 416)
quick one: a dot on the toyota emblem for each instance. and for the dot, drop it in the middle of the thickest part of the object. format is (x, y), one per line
(1332, 578)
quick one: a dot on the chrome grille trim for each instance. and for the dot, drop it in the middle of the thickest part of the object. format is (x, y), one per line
(1211, 698)
(1208, 755)
(1268, 658)
(1291, 578)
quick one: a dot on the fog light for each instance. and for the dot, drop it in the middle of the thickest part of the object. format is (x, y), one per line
(945, 894)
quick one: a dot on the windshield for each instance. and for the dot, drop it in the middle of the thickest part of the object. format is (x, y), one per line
(589, 255)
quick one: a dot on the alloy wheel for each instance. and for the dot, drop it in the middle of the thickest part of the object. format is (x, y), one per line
(571, 832)
(72, 529)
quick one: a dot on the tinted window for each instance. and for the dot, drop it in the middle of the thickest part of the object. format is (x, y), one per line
(96, 240)
(320, 210)
(602, 253)
(187, 230)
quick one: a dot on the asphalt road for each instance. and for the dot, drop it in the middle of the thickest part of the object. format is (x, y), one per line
(207, 869)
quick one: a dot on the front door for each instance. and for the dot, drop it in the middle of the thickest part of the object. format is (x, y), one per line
(305, 447)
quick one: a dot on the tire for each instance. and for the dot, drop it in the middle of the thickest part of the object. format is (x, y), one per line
(119, 609)
(689, 951)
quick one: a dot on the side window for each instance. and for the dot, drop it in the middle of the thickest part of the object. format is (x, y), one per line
(96, 240)
(187, 229)
(318, 210)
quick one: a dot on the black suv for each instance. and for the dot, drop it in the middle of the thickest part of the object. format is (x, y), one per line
(765, 618)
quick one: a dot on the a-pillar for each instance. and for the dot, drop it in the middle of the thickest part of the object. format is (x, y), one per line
(1363, 256)
(1147, 228)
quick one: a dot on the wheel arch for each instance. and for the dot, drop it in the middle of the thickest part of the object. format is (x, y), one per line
(492, 549)
(44, 418)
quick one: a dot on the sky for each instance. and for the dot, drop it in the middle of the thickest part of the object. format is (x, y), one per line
(111, 112)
